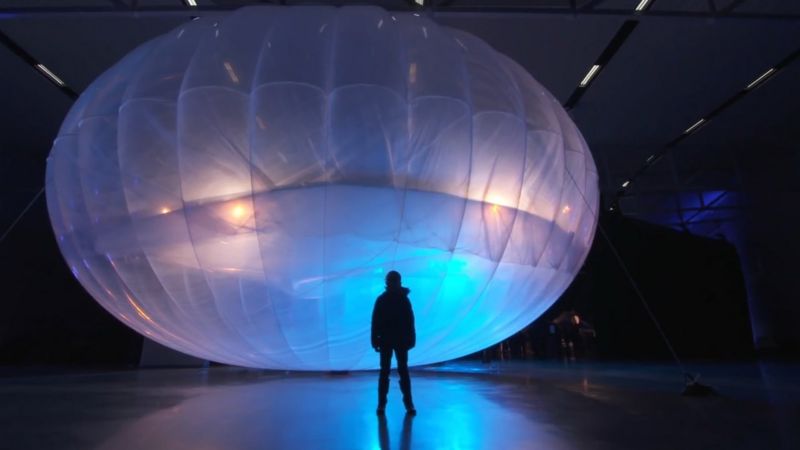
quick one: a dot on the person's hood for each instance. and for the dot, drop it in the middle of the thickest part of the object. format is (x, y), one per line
(401, 289)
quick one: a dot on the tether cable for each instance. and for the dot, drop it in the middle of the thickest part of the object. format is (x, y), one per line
(690, 380)
(22, 214)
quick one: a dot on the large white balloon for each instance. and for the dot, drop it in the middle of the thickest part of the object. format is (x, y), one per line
(237, 188)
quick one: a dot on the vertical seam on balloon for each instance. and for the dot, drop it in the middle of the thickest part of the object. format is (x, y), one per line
(553, 277)
(560, 154)
(123, 285)
(211, 351)
(327, 176)
(73, 242)
(588, 208)
(76, 137)
(405, 58)
(571, 242)
(468, 94)
(183, 201)
(60, 209)
(539, 185)
(578, 189)
(523, 123)
(122, 281)
(251, 115)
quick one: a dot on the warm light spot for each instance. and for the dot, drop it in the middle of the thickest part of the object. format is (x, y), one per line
(164, 210)
(237, 211)
(566, 209)
(500, 200)
(139, 309)
(495, 209)
(412, 73)
(231, 73)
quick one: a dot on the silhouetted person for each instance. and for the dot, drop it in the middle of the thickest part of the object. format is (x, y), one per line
(393, 331)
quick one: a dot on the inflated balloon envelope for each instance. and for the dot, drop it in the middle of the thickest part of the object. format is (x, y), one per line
(237, 188)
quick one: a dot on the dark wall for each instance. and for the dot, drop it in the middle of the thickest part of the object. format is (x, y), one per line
(767, 238)
(693, 285)
(47, 318)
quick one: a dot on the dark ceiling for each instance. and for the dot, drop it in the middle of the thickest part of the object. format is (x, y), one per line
(669, 66)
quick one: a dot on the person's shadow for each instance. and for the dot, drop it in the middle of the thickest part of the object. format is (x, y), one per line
(405, 436)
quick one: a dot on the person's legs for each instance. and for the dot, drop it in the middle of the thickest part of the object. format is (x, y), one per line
(383, 378)
(405, 379)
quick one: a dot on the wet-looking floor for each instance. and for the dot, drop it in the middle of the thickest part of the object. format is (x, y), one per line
(461, 406)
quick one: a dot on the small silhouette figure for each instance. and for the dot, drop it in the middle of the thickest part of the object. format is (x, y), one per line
(393, 331)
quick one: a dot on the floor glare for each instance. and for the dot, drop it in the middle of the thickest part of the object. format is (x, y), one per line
(466, 405)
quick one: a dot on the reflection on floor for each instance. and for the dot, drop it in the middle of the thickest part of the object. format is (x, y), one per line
(461, 406)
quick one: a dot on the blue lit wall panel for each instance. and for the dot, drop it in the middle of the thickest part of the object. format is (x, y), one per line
(238, 188)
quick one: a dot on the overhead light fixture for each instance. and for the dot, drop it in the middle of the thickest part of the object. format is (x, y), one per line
(53, 77)
(642, 5)
(420, 2)
(191, 2)
(760, 79)
(626, 183)
(695, 126)
(590, 75)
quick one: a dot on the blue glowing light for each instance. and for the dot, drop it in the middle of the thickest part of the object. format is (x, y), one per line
(238, 188)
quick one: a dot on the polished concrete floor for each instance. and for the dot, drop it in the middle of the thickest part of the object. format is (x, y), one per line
(463, 405)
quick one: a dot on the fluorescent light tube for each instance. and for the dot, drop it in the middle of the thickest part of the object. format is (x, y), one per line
(626, 183)
(50, 74)
(590, 75)
(760, 79)
(694, 127)
(642, 5)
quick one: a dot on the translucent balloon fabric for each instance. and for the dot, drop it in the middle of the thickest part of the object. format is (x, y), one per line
(238, 188)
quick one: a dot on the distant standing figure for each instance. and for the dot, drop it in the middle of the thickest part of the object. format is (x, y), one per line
(393, 331)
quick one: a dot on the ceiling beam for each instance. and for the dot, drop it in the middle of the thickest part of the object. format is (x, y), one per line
(602, 61)
(36, 65)
(447, 7)
(703, 121)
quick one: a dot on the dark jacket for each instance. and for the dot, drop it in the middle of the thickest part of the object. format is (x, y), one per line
(393, 320)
